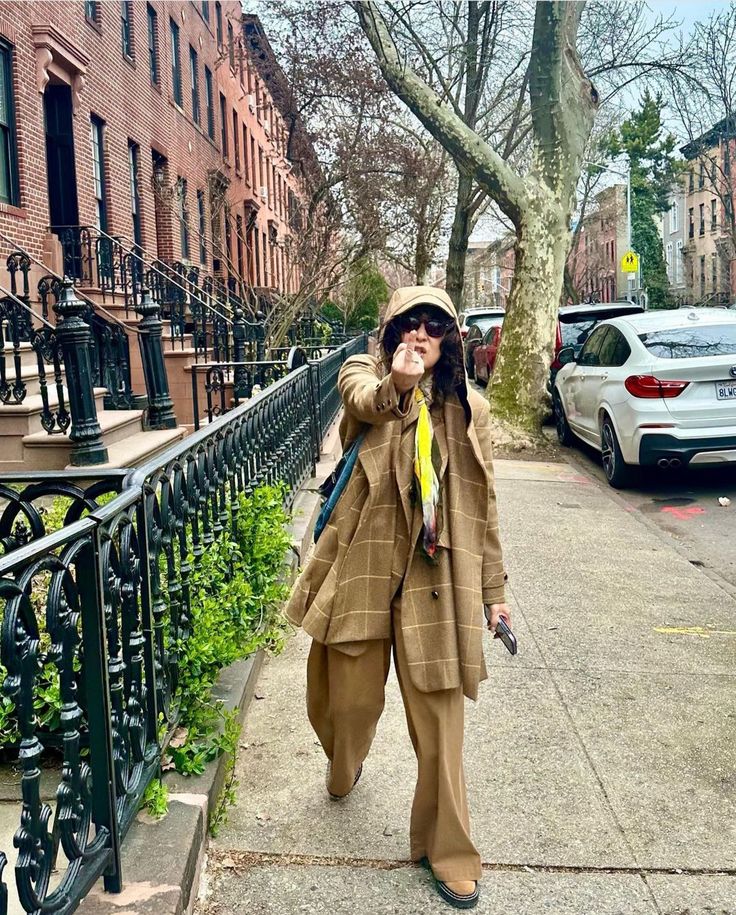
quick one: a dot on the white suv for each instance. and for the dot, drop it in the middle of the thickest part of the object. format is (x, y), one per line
(655, 389)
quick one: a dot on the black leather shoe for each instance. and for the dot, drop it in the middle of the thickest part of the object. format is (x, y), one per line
(339, 797)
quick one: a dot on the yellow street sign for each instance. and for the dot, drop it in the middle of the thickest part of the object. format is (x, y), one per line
(630, 262)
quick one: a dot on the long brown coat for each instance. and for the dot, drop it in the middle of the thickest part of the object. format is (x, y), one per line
(343, 596)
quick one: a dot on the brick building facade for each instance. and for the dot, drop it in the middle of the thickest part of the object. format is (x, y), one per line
(595, 259)
(709, 252)
(153, 121)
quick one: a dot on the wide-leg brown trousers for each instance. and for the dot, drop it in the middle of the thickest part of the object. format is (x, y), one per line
(345, 698)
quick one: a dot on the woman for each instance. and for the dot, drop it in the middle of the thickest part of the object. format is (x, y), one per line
(406, 562)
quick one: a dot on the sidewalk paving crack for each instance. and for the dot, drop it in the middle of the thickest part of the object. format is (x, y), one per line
(235, 859)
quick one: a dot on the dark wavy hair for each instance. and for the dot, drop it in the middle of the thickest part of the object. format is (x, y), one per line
(449, 372)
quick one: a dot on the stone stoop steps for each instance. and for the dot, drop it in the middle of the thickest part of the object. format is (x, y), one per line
(26, 446)
(179, 356)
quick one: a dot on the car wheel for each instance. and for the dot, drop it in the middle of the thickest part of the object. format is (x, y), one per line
(564, 433)
(617, 471)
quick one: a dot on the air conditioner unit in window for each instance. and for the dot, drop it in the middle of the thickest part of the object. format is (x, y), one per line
(252, 102)
(264, 192)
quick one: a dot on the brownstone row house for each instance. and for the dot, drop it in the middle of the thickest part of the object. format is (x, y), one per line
(489, 269)
(708, 191)
(154, 137)
(594, 263)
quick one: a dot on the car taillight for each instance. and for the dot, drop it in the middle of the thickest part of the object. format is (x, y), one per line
(649, 386)
(558, 346)
(463, 332)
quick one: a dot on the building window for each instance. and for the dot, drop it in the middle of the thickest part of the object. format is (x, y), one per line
(702, 218)
(669, 260)
(98, 171)
(201, 228)
(181, 195)
(8, 144)
(218, 24)
(206, 10)
(678, 262)
(713, 215)
(231, 45)
(691, 224)
(727, 158)
(223, 125)
(701, 175)
(194, 74)
(246, 169)
(152, 44)
(91, 10)
(714, 272)
(176, 64)
(239, 243)
(126, 34)
(210, 103)
(236, 140)
(135, 202)
(675, 217)
(702, 275)
(691, 185)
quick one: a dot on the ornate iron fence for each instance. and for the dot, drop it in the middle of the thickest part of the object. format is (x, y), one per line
(99, 608)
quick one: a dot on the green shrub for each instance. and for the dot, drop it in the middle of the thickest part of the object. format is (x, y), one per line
(236, 594)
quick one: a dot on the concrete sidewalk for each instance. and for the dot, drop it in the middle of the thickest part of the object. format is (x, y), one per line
(601, 761)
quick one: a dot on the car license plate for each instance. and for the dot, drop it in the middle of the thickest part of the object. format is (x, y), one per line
(726, 390)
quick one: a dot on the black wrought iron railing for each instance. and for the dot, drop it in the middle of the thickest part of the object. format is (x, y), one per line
(109, 348)
(98, 610)
(31, 362)
(200, 310)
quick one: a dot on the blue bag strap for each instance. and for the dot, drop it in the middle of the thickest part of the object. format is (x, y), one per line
(351, 456)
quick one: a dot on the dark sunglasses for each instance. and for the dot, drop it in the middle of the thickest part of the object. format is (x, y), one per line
(435, 327)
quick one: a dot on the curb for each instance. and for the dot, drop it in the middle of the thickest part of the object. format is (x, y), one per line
(162, 859)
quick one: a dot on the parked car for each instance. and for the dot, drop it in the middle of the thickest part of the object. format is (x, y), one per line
(484, 356)
(576, 322)
(654, 389)
(482, 322)
(473, 316)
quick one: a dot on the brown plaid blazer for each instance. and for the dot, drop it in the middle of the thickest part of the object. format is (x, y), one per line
(343, 596)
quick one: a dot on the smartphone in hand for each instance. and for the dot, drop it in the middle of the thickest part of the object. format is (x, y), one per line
(504, 633)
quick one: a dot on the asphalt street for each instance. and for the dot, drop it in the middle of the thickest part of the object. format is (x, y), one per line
(685, 504)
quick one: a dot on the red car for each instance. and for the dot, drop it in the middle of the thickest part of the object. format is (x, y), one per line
(484, 355)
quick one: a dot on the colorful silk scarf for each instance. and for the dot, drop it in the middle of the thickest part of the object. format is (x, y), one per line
(427, 480)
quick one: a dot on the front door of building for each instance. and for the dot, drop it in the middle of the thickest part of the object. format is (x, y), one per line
(62, 176)
(61, 172)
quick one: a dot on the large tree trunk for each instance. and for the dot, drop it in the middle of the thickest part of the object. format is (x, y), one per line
(458, 252)
(524, 356)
